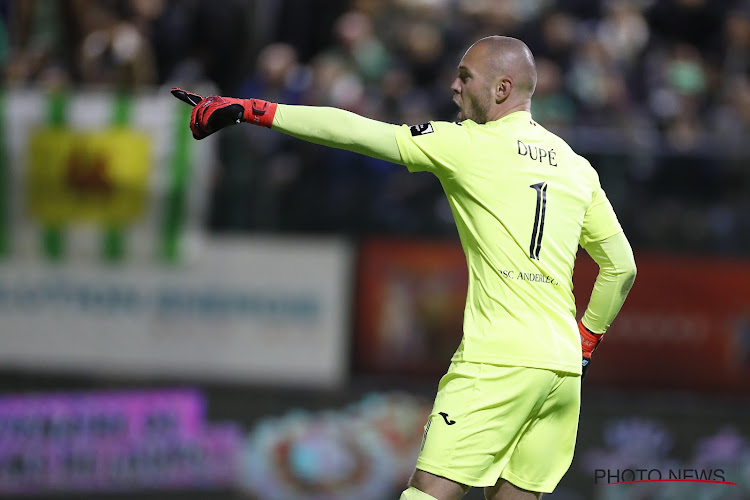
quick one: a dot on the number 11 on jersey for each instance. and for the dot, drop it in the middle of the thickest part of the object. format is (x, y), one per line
(541, 208)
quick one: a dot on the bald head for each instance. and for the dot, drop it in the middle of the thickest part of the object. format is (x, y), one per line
(496, 77)
(506, 56)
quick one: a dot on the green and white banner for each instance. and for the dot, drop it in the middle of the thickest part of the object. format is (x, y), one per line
(99, 175)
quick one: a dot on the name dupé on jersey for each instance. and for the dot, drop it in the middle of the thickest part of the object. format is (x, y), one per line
(536, 153)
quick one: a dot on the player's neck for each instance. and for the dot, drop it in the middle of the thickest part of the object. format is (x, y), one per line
(504, 109)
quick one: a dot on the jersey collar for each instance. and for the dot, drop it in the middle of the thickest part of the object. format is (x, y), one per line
(516, 116)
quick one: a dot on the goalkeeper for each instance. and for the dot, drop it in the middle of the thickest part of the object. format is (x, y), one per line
(505, 415)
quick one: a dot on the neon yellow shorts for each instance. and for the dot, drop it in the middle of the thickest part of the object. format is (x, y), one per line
(509, 422)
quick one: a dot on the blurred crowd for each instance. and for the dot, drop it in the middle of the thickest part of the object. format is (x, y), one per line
(656, 93)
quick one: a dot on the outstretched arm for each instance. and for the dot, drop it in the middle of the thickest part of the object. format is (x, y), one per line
(339, 129)
(322, 125)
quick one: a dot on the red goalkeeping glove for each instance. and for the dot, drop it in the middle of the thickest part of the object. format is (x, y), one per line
(589, 341)
(211, 114)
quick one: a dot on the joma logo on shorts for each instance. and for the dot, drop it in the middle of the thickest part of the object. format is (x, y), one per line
(445, 417)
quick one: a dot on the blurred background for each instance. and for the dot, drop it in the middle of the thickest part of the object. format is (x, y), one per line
(254, 317)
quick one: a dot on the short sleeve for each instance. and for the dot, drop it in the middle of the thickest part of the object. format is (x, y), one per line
(600, 221)
(433, 146)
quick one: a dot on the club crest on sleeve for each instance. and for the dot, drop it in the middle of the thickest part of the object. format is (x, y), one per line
(424, 128)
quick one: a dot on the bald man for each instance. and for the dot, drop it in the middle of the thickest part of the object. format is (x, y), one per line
(505, 415)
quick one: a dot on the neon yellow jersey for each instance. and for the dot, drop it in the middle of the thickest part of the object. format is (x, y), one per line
(523, 201)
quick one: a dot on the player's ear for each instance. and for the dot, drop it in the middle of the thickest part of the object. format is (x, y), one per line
(502, 89)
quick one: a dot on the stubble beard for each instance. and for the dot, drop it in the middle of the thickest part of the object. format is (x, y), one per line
(478, 111)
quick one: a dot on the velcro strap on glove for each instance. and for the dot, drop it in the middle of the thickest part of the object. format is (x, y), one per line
(259, 112)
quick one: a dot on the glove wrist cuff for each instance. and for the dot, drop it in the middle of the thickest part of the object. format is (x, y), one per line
(259, 112)
(589, 340)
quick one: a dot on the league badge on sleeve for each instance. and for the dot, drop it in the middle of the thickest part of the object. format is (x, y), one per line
(425, 128)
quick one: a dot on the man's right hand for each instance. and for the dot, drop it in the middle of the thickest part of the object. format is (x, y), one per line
(211, 114)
